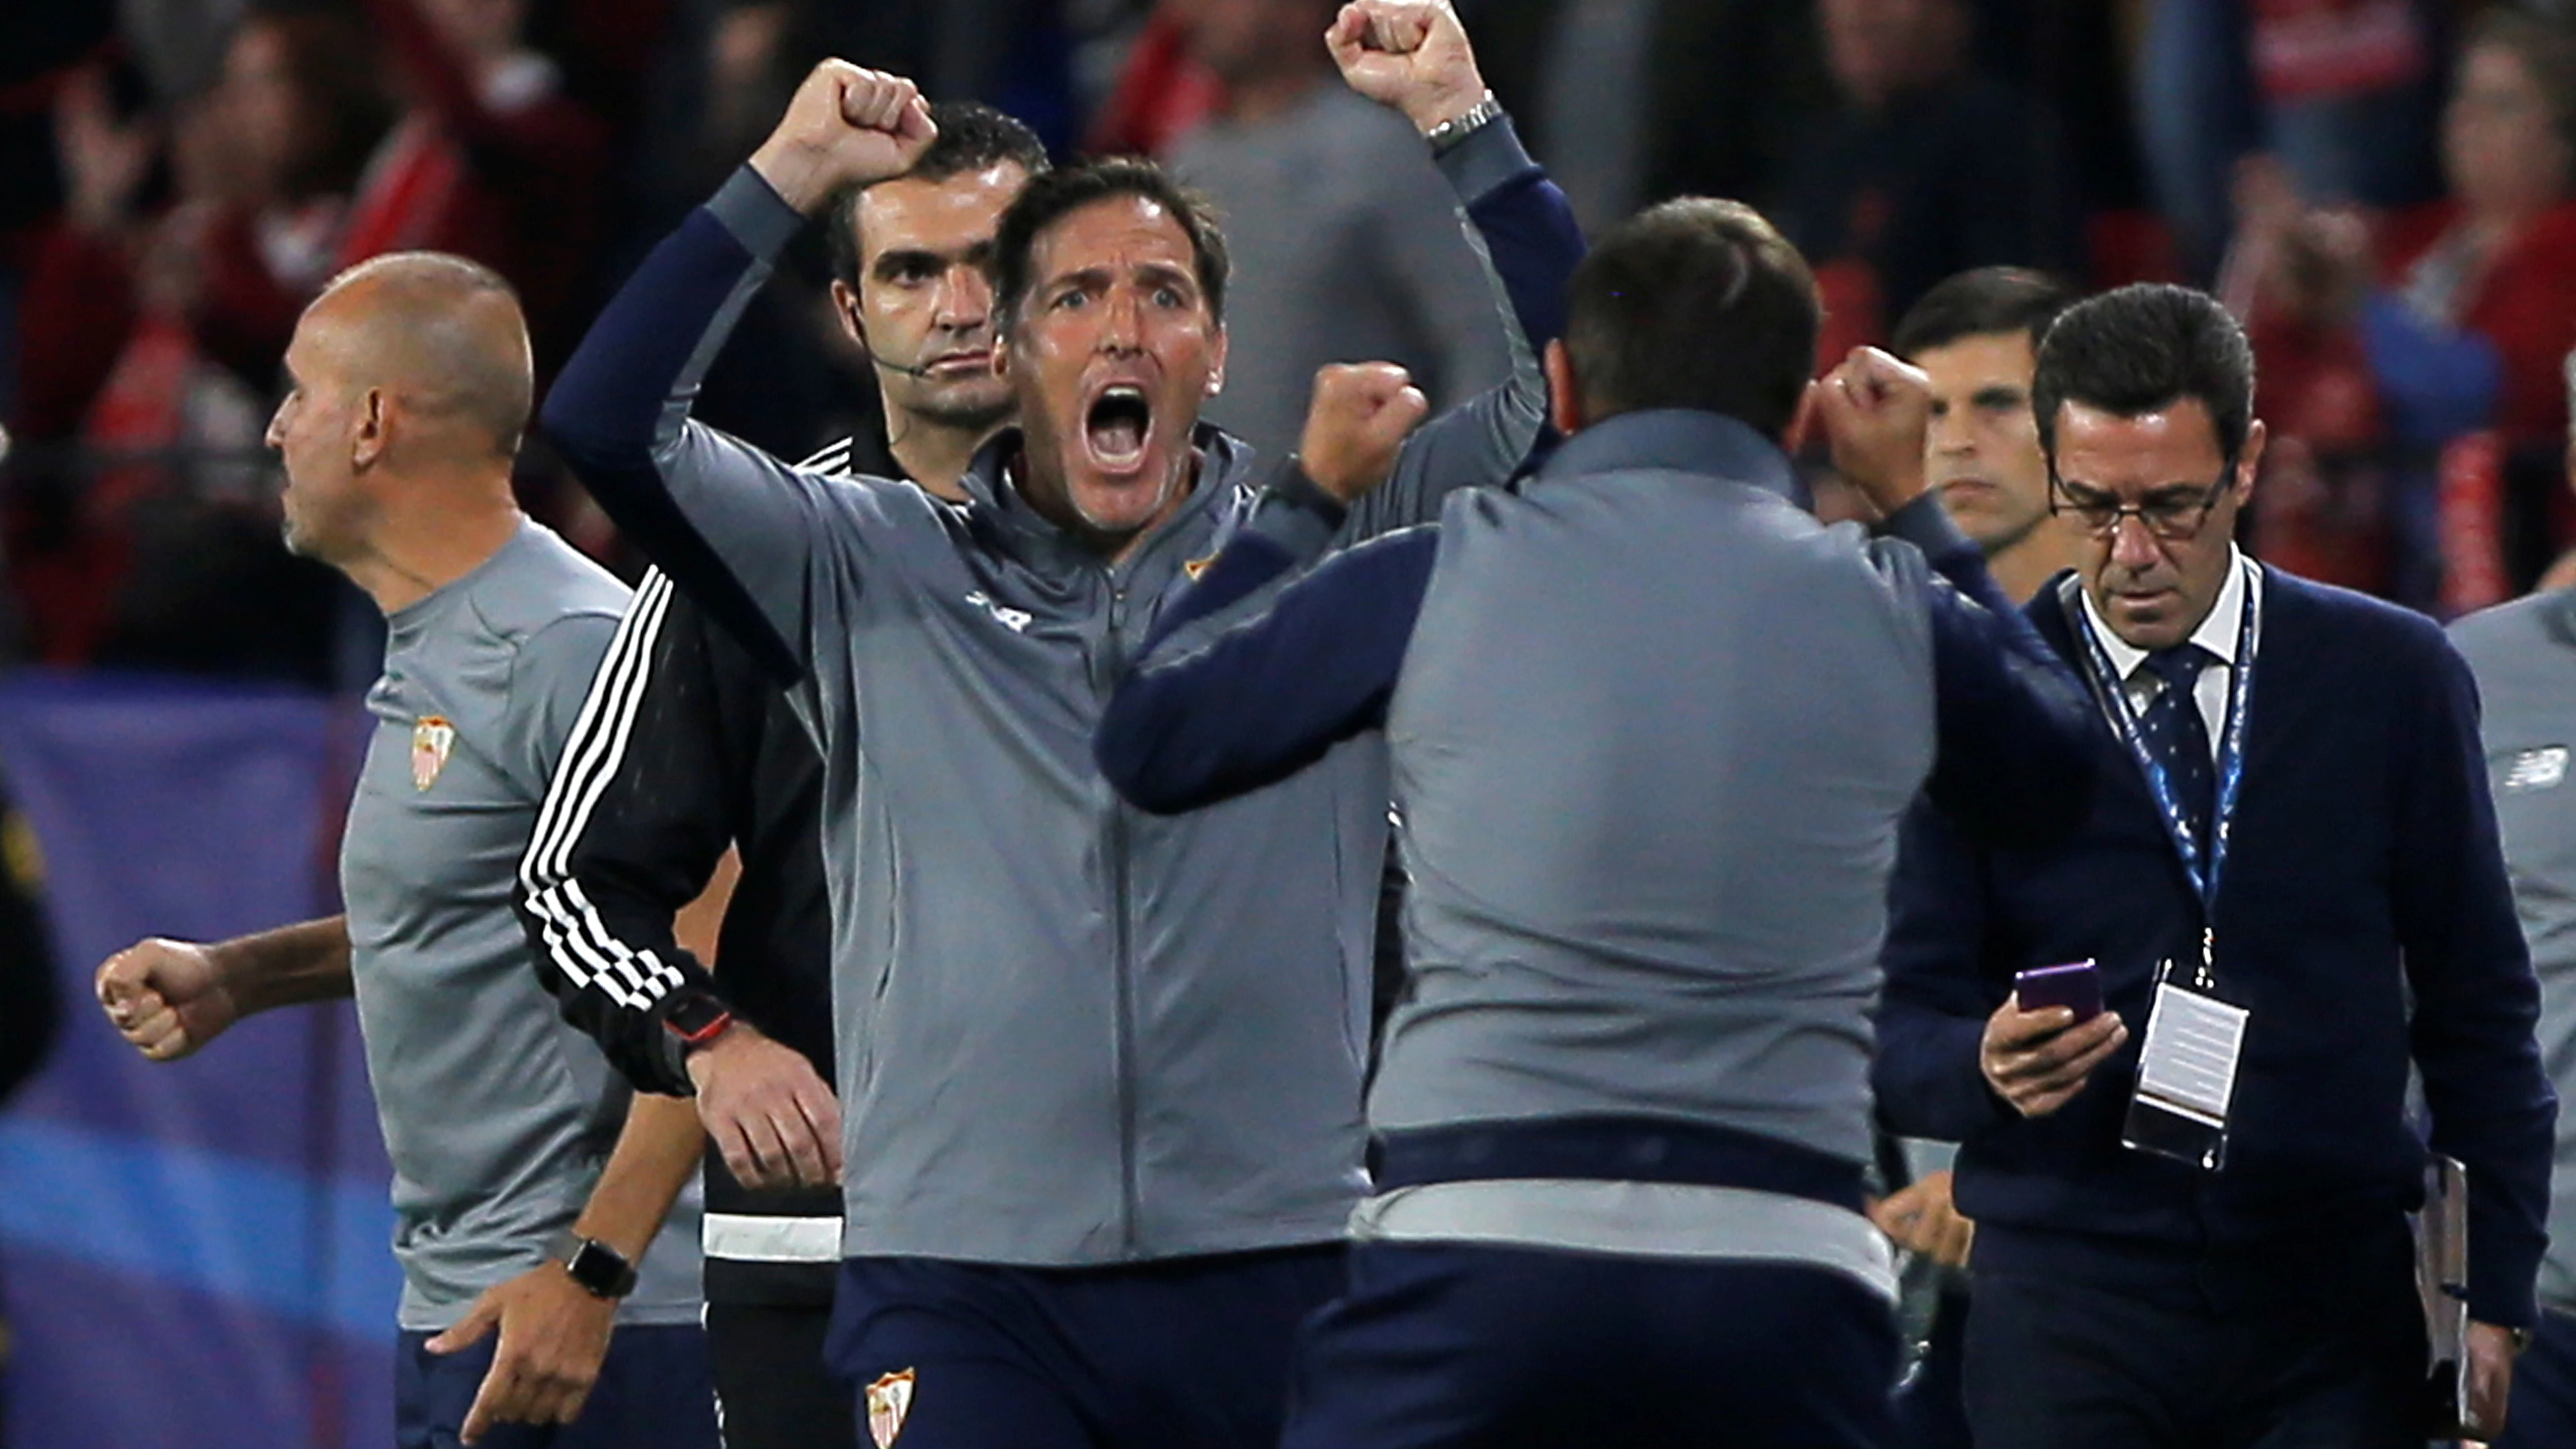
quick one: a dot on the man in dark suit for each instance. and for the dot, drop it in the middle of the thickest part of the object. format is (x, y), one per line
(2293, 822)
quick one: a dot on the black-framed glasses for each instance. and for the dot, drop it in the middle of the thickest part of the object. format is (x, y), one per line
(2171, 514)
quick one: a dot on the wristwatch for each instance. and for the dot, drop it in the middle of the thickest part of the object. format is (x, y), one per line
(600, 1270)
(696, 1018)
(1466, 123)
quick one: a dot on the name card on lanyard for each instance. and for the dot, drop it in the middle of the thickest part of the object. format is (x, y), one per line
(2195, 1038)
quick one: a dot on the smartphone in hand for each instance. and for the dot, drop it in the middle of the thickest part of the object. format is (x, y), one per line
(2075, 986)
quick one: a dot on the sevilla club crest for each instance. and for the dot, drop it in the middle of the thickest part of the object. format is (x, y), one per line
(889, 1399)
(431, 739)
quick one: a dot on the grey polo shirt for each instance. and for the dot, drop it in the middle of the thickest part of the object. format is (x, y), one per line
(497, 1115)
(2524, 657)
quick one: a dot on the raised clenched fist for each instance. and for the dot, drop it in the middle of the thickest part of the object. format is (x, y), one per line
(1874, 410)
(844, 127)
(1361, 414)
(1411, 55)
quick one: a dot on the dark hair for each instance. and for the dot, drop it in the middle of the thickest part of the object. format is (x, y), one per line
(2547, 50)
(1694, 303)
(972, 137)
(1982, 303)
(2141, 348)
(1050, 198)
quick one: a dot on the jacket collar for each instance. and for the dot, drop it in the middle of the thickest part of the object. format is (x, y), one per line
(1225, 462)
(1682, 440)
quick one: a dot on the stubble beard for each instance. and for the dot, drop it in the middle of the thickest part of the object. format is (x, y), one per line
(959, 416)
(2013, 536)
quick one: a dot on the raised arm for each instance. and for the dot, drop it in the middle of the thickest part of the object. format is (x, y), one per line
(2014, 762)
(1247, 679)
(1413, 56)
(2014, 765)
(1221, 706)
(1356, 427)
(730, 524)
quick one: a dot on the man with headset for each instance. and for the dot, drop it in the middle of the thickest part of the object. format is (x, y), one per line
(691, 749)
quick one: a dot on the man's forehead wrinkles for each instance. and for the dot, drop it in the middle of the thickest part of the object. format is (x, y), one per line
(1101, 273)
(1099, 231)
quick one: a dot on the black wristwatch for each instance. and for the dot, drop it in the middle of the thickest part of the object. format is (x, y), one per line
(600, 1270)
(695, 1017)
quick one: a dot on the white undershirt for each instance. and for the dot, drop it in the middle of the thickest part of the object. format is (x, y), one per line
(2217, 634)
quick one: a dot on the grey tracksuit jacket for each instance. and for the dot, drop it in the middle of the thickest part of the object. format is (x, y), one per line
(1069, 1033)
(2524, 656)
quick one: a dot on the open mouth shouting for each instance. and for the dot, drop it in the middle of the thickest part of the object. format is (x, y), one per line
(1115, 428)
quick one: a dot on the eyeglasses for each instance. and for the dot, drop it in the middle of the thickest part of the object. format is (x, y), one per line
(2172, 514)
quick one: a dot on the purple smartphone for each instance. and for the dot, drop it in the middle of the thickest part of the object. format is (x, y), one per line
(2074, 986)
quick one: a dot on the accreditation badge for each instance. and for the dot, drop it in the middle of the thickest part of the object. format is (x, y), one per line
(431, 740)
(2186, 1071)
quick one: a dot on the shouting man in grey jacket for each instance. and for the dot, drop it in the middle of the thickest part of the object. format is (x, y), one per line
(1099, 1072)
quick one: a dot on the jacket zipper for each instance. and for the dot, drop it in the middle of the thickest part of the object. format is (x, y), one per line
(1113, 662)
(1113, 657)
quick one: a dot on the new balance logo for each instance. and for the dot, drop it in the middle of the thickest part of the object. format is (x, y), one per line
(2541, 769)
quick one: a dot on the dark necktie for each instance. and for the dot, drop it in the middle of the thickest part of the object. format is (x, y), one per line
(2178, 738)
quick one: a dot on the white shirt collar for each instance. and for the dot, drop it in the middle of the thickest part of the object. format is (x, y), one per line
(2218, 633)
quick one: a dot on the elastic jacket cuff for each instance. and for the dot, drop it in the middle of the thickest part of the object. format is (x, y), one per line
(755, 213)
(1296, 512)
(1486, 159)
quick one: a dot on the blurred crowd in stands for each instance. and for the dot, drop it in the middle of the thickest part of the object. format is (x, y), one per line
(2381, 187)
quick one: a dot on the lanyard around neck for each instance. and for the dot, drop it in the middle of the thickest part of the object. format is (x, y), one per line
(2202, 861)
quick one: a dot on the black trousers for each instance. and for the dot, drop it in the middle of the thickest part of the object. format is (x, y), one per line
(653, 1393)
(1446, 1346)
(1179, 1353)
(772, 1391)
(2255, 1353)
(1929, 1414)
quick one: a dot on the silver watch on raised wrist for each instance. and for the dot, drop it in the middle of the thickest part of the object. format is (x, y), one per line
(1466, 123)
